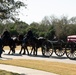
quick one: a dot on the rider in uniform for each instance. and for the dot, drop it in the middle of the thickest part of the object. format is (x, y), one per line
(1, 47)
(6, 35)
(30, 34)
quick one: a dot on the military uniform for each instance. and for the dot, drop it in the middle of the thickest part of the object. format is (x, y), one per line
(1, 48)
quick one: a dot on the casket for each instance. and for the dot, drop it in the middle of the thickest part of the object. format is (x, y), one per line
(71, 38)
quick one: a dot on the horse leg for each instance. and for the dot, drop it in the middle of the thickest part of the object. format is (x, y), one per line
(9, 51)
(12, 49)
(31, 51)
(27, 51)
(24, 51)
(3, 49)
(1, 52)
(36, 50)
(21, 50)
(0, 55)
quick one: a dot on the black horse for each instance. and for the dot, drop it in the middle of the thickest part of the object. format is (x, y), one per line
(39, 43)
(8, 41)
(35, 43)
(27, 42)
(22, 41)
(18, 39)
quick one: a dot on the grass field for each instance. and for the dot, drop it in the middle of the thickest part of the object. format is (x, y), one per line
(54, 67)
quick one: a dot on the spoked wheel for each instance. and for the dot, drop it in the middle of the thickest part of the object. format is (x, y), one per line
(71, 54)
(60, 52)
(47, 52)
(47, 49)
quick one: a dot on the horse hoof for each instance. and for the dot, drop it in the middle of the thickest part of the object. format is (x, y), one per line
(30, 54)
(0, 57)
(12, 53)
(8, 53)
(3, 50)
(24, 53)
(19, 53)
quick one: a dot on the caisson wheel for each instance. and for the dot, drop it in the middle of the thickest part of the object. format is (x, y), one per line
(47, 52)
(47, 49)
(71, 54)
(60, 52)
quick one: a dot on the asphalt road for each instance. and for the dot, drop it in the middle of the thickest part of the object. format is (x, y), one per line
(54, 57)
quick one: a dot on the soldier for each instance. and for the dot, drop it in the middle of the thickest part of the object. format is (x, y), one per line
(29, 34)
(6, 34)
(1, 48)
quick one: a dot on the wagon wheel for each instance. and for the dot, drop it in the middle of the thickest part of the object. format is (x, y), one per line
(47, 49)
(60, 52)
(71, 54)
(47, 52)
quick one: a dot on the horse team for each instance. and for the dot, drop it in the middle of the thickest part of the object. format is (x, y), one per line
(23, 41)
(47, 47)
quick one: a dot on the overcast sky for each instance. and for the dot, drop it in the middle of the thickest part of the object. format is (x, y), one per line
(38, 9)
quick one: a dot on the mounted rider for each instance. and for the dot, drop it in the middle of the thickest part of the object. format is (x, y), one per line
(1, 47)
(29, 36)
(6, 35)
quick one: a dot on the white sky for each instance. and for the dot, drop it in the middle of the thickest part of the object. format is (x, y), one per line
(38, 9)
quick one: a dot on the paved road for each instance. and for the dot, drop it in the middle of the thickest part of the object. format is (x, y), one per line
(55, 58)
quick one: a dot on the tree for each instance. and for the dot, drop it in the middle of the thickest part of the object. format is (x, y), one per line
(72, 20)
(9, 9)
(60, 26)
(21, 27)
(50, 33)
(46, 20)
